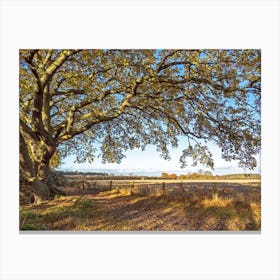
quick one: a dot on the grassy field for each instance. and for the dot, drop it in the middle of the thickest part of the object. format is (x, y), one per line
(193, 206)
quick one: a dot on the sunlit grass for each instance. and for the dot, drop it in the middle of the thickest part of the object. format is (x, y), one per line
(226, 214)
(118, 210)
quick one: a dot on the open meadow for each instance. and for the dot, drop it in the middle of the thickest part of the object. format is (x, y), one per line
(150, 205)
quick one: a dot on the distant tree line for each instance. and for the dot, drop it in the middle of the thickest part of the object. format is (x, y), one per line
(60, 172)
(199, 175)
(207, 175)
(104, 175)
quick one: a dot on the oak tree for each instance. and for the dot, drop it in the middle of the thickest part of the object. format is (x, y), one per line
(104, 102)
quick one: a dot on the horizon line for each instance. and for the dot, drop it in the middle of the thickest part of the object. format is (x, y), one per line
(142, 172)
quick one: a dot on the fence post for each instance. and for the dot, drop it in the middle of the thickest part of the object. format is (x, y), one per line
(163, 188)
(83, 182)
(131, 187)
(110, 185)
(214, 192)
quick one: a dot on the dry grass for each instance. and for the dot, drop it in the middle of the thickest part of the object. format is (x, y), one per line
(119, 210)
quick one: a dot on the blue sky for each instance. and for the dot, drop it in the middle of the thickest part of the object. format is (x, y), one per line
(149, 162)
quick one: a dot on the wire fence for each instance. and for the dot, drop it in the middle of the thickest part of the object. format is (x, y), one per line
(179, 191)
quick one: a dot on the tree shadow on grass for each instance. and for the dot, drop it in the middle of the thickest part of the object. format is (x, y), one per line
(233, 216)
(129, 213)
(134, 212)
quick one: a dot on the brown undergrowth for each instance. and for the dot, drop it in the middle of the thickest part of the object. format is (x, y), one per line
(122, 211)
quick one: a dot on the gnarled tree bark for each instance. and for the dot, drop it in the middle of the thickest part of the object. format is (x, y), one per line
(34, 172)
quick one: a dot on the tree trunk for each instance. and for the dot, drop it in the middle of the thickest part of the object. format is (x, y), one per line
(35, 170)
(44, 163)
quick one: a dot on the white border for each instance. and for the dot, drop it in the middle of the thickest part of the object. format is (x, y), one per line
(155, 24)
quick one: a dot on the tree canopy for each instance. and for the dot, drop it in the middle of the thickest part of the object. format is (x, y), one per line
(104, 102)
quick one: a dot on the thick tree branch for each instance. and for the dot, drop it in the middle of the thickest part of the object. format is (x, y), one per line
(64, 55)
(26, 129)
